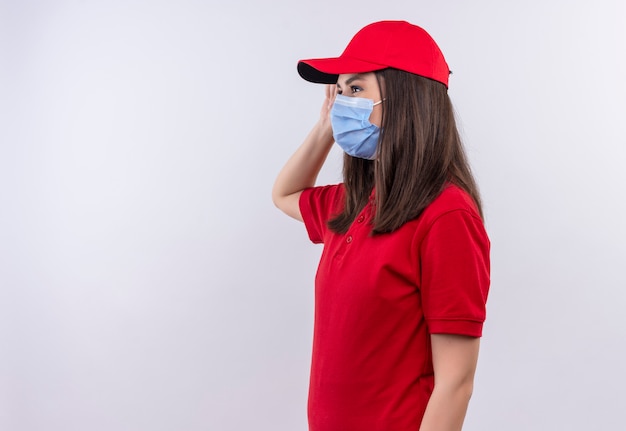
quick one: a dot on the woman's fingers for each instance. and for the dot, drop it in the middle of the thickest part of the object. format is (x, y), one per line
(328, 101)
(331, 92)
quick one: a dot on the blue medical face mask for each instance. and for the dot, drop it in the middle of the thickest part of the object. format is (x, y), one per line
(352, 130)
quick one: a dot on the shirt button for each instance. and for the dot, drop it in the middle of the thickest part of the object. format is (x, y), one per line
(349, 239)
(360, 219)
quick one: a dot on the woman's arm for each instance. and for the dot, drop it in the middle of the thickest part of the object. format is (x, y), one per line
(454, 361)
(302, 168)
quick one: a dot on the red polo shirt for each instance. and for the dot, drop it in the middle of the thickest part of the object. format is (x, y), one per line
(378, 299)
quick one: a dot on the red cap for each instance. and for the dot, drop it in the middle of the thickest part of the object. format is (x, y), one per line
(380, 45)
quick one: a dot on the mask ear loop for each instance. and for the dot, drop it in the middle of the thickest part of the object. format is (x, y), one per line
(376, 160)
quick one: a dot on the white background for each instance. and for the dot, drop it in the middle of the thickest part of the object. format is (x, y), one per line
(148, 283)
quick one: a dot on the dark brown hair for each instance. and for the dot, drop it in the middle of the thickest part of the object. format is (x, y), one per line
(419, 152)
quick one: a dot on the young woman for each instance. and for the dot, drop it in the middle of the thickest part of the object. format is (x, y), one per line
(403, 278)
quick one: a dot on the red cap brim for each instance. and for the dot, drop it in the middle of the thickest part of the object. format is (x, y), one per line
(326, 70)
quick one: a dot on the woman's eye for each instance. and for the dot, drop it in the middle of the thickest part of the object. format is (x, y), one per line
(355, 89)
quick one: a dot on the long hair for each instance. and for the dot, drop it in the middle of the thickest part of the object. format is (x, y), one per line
(419, 153)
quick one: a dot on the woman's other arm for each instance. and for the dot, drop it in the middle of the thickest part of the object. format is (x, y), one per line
(454, 361)
(303, 166)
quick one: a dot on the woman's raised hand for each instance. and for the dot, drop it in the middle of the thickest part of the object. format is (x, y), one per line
(331, 93)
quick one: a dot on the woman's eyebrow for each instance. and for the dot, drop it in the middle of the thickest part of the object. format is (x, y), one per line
(352, 79)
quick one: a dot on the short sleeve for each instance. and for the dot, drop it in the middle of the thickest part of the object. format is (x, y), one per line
(317, 206)
(455, 270)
